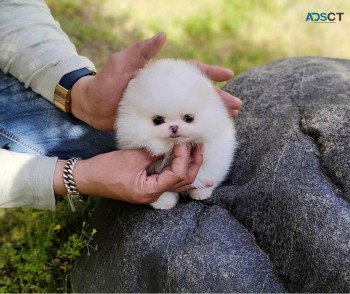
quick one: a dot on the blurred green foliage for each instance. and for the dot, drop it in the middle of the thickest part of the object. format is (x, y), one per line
(239, 34)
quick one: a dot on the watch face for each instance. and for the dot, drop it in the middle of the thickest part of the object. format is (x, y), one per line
(62, 98)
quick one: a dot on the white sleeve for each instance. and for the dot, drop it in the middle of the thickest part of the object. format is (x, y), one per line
(33, 48)
(26, 180)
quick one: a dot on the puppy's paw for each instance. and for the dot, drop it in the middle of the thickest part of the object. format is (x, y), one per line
(166, 201)
(201, 194)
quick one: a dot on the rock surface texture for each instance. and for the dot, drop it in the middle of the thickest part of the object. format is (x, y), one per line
(281, 222)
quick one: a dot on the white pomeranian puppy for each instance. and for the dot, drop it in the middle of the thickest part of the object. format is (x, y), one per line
(172, 102)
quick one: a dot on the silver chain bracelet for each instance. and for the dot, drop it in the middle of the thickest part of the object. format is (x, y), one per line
(72, 191)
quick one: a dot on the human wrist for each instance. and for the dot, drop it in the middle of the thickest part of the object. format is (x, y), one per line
(80, 175)
(79, 96)
(66, 175)
(63, 89)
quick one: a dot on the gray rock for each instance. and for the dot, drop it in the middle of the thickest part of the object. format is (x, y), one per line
(283, 215)
(292, 173)
(190, 248)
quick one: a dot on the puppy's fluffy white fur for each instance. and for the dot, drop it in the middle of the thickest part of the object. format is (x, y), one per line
(171, 102)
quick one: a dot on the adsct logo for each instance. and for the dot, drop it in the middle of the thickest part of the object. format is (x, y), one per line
(323, 17)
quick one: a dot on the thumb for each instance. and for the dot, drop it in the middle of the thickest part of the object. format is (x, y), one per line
(150, 47)
(178, 168)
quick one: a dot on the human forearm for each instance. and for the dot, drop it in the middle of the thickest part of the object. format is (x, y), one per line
(33, 47)
(26, 180)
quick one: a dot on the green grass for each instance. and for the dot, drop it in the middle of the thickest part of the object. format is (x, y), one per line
(37, 249)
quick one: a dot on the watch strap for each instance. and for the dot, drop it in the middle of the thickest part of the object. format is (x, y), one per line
(69, 79)
(62, 96)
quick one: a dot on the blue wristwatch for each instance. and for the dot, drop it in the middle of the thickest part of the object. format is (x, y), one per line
(62, 97)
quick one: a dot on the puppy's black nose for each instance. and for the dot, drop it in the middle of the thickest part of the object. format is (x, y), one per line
(174, 128)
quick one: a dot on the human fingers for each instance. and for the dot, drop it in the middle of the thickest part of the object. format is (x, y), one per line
(187, 188)
(220, 74)
(176, 172)
(153, 46)
(215, 73)
(99, 98)
(125, 64)
(192, 170)
(232, 103)
(147, 49)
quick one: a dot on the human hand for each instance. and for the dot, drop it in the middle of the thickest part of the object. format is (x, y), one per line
(95, 98)
(220, 74)
(122, 175)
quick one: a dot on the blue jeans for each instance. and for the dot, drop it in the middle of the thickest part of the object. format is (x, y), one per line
(31, 124)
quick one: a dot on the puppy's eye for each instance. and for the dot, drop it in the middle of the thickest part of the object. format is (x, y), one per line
(158, 120)
(188, 118)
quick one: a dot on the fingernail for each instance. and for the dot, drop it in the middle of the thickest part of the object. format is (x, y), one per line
(234, 113)
(201, 148)
(185, 146)
(230, 71)
(208, 183)
(157, 35)
(241, 101)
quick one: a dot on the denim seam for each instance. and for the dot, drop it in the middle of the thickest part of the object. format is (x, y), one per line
(20, 141)
(8, 86)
